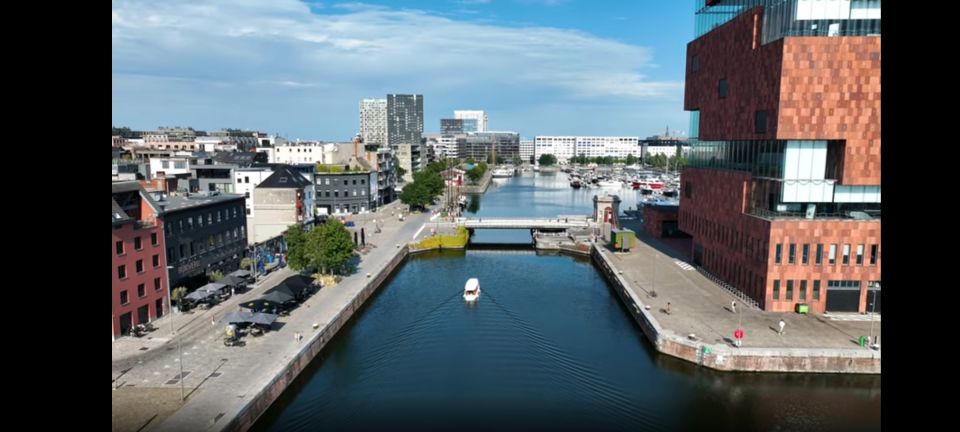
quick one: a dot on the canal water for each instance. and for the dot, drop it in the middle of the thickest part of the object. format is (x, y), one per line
(547, 345)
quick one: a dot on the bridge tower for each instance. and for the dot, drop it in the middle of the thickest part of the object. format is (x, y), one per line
(605, 210)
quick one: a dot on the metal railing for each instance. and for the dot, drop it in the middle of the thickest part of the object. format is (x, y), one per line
(744, 299)
(769, 214)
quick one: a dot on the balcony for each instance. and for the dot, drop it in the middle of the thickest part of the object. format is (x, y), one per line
(785, 215)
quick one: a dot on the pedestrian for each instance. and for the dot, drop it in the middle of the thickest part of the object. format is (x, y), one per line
(668, 308)
(733, 306)
(782, 324)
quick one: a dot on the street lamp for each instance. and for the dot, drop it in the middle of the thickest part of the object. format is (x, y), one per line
(173, 330)
(873, 309)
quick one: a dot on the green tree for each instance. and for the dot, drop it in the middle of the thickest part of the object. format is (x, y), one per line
(474, 174)
(471, 161)
(631, 159)
(329, 246)
(216, 275)
(547, 159)
(500, 160)
(296, 241)
(400, 171)
(517, 160)
(246, 262)
(430, 180)
(178, 294)
(416, 195)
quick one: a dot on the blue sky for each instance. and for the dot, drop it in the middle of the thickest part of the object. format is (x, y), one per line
(537, 67)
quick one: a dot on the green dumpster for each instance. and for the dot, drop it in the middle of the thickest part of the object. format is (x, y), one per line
(803, 308)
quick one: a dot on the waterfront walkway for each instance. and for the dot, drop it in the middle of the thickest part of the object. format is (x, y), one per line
(219, 380)
(657, 275)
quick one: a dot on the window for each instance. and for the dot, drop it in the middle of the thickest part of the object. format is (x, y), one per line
(122, 272)
(805, 256)
(354, 192)
(120, 247)
(248, 211)
(141, 291)
(156, 261)
(873, 254)
(169, 254)
(336, 194)
(819, 257)
(235, 211)
(816, 290)
(777, 257)
(137, 243)
(776, 290)
(156, 284)
(328, 194)
(688, 190)
(860, 255)
(789, 290)
(139, 266)
(200, 220)
(154, 240)
(246, 179)
(327, 181)
(695, 63)
(832, 257)
(793, 253)
(354, 181)
(165, 164)
(803, 290)
(760, 122)
(218, 215)
(190, 223)
(124, 298)
(846, 254)
(182, 250)
(722, 88)
(363, 181)
(345, 182)
(210, 218)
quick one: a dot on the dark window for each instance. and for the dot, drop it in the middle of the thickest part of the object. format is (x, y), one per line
(120, 247)
(873, 254)
(695, 63)
(154, 240)
(139, 266)
(354, 181)
(816, 290)
(156, 260)
(246, 179)
(124, 299)
(778, 256)
(760, 122)
(122, 272)
(246, 194)
(789, 290)
(346, 182)
(362, 181)
(336, 194)
(776, 290)
(860, 254)
(170, 257)
(832, 256)
(137, 243)
(819, 256)
(156, 284)
(248, 211)
(793, 253)
(722, 88)
(235, 211)
(141, 291)
(846, 254)
(328, 194)
(805, 256)
(803, 290)
(688, 190)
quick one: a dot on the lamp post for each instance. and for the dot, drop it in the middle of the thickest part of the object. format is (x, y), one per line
(173, 330)
(873, 309)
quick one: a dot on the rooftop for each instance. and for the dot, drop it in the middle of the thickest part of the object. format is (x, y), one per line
(180, 202)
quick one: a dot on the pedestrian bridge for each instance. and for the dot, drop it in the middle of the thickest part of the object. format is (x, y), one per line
(557, 223)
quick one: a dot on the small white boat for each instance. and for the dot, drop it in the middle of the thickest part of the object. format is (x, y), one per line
(502, 173)
(471, 292)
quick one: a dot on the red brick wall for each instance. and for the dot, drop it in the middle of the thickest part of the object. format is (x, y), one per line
(825, 232)
(653, 219)
(126, 233)
(734, 245)
(831, 90)
(753, 80)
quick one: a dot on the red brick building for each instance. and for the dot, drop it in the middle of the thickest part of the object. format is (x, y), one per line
(139, 261)
(782, 194)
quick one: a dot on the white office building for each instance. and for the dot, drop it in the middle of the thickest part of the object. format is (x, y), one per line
(566, 147)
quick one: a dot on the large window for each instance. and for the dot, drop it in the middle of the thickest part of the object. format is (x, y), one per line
(141, 291)
(688, 189)
(803, 290)
(819, 257)
(156, 284)
(816, 290)
(139, 265)
(805, 255)
(120, 247)
(779, 254)
(776, 289)
(137, 243)
(122, 272)
(722, 88)
(793, 253)
(154, 240)
(124, 298)
(874, 249)
(846, 254)
(860, 255)
(760, 122)
(156, 260)
(789, 290)
(832, 256)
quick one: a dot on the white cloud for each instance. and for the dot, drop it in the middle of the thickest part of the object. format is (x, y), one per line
(368, 51)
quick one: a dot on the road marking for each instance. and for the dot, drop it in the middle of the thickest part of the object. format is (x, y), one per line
(419, 231)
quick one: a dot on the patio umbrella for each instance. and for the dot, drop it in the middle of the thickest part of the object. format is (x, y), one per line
(233, 281)
(277, 297)
(237, 316)
(262, 318)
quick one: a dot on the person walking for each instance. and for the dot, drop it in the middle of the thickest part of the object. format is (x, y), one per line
(733, 306)
(782, 324)
(668, 308)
